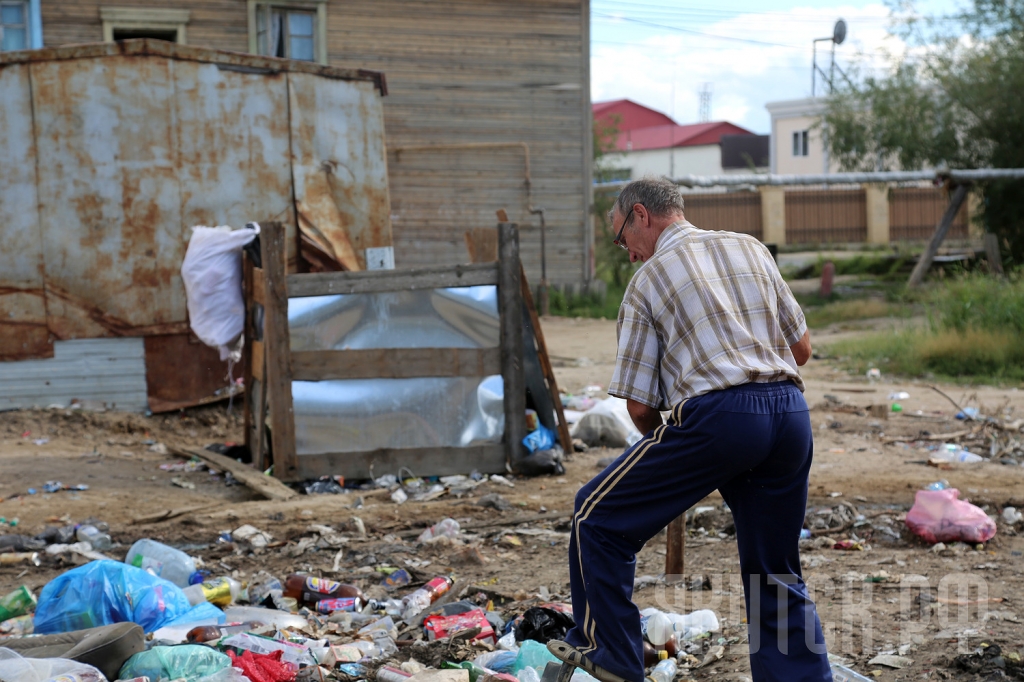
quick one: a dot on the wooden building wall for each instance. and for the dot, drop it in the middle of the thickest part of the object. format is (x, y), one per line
(473, 87)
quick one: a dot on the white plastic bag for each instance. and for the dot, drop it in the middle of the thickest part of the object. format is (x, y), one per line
(16, 668)
(212, 272)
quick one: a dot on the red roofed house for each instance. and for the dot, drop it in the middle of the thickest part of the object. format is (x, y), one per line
(651, 143)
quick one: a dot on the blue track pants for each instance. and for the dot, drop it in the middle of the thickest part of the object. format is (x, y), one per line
(753, 443)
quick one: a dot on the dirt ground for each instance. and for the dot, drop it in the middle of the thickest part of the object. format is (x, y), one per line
(895, 596)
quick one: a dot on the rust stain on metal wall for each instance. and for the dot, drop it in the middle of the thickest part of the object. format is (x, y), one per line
(113, 151)
(23, 332)
(339, 164)
(181, 370)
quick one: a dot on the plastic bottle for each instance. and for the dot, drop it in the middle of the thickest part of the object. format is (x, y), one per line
(220, 592)
(840, 673)
(475, 671)
(425, 596)
(937, 485)
(99, 540)
(308, 590)
(657, 628)
(17, 603)
(664, 671)
(211, 633)
(164, 562)
(388, 674)
(448, 527)
(262, 586)
(652, 655)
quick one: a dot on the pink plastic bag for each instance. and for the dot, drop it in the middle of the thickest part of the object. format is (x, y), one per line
(938, 516)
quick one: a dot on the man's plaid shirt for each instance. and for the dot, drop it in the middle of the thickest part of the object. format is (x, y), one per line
(707, 311)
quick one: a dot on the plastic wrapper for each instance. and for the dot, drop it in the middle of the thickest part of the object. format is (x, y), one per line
(938, 516)
(542, 625)
(16, 668)
(190, 662)
(439, 627)
(107, 592)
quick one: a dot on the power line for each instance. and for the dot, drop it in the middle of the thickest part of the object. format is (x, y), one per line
(691, 31)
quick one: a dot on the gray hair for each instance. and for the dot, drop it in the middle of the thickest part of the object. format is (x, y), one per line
(660, 196)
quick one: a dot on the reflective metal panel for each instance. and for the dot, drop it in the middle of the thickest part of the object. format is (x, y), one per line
(367, 414)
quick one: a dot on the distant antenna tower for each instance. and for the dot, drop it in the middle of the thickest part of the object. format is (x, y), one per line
(705, 103)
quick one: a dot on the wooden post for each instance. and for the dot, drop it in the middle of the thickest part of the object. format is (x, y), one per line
(675, 547)
(925, 262)
(511, 312)
(995, 259)
(277, 349)
(247, 333)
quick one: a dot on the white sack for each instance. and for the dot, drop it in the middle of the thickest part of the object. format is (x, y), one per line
(212, 272)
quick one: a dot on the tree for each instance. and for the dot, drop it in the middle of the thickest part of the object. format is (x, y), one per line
(611, 262)
(957, 99)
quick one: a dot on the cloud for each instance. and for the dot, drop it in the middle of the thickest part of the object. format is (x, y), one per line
(743, 76)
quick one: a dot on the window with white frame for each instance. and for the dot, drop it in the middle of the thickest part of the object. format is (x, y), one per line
(291, 30)
(14, 33)
(124, 23)
(800, 143)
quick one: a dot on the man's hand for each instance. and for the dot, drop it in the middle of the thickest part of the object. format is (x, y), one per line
(801, 350)
(645, 418)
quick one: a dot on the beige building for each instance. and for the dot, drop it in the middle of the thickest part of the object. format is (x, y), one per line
(796, 142)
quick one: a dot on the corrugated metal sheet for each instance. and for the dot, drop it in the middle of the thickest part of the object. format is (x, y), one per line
(112, 152)
(107, 372)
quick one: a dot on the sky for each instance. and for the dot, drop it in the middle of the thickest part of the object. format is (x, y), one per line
(749, 52)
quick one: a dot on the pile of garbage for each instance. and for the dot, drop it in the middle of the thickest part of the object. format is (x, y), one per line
(160, 615)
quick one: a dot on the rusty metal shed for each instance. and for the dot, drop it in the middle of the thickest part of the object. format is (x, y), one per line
(111, 152)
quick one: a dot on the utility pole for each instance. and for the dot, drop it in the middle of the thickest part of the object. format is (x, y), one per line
(704, 115)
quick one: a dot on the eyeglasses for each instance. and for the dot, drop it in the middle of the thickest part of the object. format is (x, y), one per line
(618, 238)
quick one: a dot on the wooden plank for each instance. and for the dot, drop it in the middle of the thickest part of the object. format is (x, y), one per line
(395, 363)
(545, 364)
(168, 514)
(328, 283)
(511, 311)
(267, 486)
(278, 350)
(256, 353)
(259, 285)
(247, 285)
(675, 548)
(487, 459)
(259, 459)
(925, 261)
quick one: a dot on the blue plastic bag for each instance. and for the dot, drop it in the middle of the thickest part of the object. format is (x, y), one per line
(107, 592)
(541, 439)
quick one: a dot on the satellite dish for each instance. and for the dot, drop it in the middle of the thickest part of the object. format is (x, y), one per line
(839, 32)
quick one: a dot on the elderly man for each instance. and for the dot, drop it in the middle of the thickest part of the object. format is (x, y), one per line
(709, 330)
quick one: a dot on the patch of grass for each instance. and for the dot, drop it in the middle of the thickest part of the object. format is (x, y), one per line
(974, 334)
(850, 310)
(601, 307)
(979, 356)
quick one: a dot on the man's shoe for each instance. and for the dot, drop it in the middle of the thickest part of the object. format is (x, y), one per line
(570, 655)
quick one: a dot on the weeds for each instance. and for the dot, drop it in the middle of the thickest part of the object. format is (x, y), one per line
(850, 310)
(973, 333)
